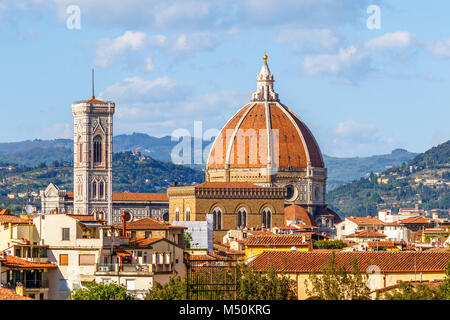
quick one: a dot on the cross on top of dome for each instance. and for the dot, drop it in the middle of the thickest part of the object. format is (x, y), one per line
(264, 84)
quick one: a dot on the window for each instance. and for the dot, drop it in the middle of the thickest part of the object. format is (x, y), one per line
(148, 234)
(63, 259)
(217, 219)
(86, 259)
(133, 234)
(131, 285)
(267, 218)
(94, 189)
(241, 218)
(188, 214)
(177, 214)
(65, 234)
(97, 149)
(101, 187)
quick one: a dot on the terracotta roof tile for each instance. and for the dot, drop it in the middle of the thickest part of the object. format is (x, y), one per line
(12, 219)
(296, 212)
(151, 223)
(366, 234)
(295, 139)
(143, 242)
(414, 220)
(394, 261)
(8, 294)
(16, 262)
(83, 217)
(95, 101)
(383, 244)
(362, 221)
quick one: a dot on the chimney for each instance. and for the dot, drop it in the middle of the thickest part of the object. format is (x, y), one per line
(124, 224)
(19, 289)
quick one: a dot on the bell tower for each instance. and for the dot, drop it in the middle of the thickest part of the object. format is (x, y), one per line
(93, 151)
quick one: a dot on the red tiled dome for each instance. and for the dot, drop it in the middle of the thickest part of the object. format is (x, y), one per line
(296, 144)
(296, 212)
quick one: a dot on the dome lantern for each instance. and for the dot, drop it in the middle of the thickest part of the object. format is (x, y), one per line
(264, 84)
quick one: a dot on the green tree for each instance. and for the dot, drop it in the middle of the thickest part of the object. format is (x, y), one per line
(444, 288)
(101, 291)
(175, 289)
(407, 291)
(250, 285)
(187, 239)
(329, 244)
(264, 285)
(336, 284)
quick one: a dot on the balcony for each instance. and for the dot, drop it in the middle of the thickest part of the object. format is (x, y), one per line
(28, 284)
(131, 268)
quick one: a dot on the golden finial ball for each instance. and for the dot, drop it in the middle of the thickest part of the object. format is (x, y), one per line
(265, 57)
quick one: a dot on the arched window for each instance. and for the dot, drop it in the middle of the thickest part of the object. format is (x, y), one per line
(177, 214)
(188, 214)
(101, 189)
(94, 189)
(241, 218)
(97, 149)
(267, 218)
(217, 219)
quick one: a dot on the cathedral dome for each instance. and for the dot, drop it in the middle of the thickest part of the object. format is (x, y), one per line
(265, 134)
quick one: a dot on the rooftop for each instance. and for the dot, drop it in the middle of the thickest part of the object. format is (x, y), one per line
(276, 240)
(394, 261)
(16, 262)
(8, 294)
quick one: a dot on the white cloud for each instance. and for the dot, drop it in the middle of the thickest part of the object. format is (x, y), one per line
(161, 105)
(137, 89)
(352, 138)
(193, 42)
(63, 130)
(307, 40)
(149, 67)
(440, 48)
(354, 62)
(352, 129)
(109, 49)
(393, 40)
(349, 62)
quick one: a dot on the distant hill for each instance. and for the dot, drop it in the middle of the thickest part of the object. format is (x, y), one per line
(345, 170)
(35, 152)
(132, 172)
(424, 180)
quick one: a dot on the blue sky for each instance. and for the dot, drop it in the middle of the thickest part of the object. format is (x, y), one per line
(167, 63)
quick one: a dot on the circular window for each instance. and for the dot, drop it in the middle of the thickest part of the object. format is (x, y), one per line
(166, 216)
(128, 216)
(291, 192)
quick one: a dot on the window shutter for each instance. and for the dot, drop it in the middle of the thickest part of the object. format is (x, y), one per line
(63, 259)
(86, 259)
